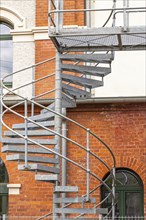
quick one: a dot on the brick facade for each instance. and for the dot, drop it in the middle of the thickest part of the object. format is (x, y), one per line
(122, 126)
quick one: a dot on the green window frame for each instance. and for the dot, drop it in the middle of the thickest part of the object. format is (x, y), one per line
(3, 189)
(129, 187)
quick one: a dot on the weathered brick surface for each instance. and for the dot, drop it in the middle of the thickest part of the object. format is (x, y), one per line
(121, 126)
(70, 18)
(44, 51)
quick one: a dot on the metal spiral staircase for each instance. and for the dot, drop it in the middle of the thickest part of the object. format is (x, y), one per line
(36, 146)
(39, 143)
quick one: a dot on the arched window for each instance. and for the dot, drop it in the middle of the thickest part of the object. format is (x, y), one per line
(129, 194)
(6, 54)
(3, 189)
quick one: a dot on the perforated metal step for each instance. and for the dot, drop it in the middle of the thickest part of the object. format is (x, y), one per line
(100, 39)
(93, 58)
(47, 177)
(22, 141)
(38, 168)
(20, 149)
(39, 159)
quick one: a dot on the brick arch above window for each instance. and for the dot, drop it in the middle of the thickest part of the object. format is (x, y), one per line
(13, 17)
(133, 163)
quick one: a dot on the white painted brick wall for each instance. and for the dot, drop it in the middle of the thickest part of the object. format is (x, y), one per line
(25, 8)
(23, 57)
(23, 51)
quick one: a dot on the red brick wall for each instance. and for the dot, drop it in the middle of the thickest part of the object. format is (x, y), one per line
(70, 18)
(121, 126)
(41, 12)
(35, 197)
(44, 49)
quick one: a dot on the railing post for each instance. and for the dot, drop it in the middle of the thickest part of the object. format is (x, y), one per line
(58, 16)
(33, 90)
(113, 191)
(88, 165)
(125, 15)
(4, 217)
(64, 133)
(26, 135)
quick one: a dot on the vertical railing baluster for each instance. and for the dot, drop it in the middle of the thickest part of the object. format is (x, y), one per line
(33, 90)
(125, 15)
(113, 192)
(56, 16)
(88, 165)
(49, 19)
(26, 135)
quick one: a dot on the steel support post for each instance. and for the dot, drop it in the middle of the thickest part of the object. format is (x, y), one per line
(26, 135)
(58, 119)
(88, 165)
(33, 90)
(114, 193)
(58, 16)
(64, 133)
(125, 15)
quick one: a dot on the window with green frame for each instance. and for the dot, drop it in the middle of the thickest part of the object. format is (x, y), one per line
(129, 195)
(3, 189)
(6, 52)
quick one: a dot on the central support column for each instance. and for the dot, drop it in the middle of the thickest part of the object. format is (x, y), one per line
(58, 119)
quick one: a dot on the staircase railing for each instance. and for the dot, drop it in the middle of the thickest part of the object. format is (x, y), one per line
(22, 100)
(56, 11)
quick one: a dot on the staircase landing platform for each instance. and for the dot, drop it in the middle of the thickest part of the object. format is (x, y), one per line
(100, 39)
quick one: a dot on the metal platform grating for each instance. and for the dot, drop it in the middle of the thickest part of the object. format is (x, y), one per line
(100, 39)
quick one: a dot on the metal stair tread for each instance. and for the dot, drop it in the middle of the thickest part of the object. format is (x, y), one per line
(94, 39)
(29, 133)
(73, 200)
(22, 141)
(40, 159)
(32, 125)
(90, 70)
(46, 177)
(42, 117)
(68, 101)
(78, 93)
(39, 167)
(51, 106)
(90, 83)
(102, 58)
(63, 189)
(82, 210)
(20, 149)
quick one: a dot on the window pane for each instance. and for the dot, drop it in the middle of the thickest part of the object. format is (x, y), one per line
(133, 204)
(6, 52)
(4, 29)
(126, 179)
(3, 173)
(3, 204)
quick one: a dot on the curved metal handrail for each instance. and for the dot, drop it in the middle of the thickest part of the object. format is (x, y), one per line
(131, 9)
(62, 116)
(68, 139)
(23, 99)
